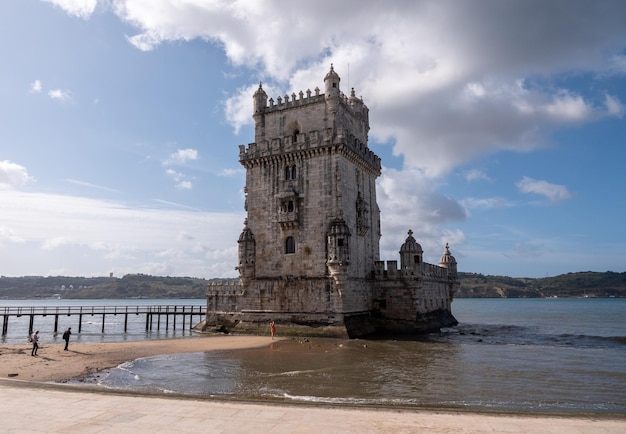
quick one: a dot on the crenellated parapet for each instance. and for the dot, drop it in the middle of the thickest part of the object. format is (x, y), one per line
(303, 145)
(287, 102)
(389, 270)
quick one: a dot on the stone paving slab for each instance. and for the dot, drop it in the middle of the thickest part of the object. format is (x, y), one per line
(44, 408)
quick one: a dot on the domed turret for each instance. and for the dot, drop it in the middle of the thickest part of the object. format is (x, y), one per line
(338, 245)
(410, 254)
(448, 261)
(260, 104)
(331, 83)
(260, 100)
(332, 93)
(247, 255)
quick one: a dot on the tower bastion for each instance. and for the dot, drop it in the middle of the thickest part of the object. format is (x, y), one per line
(308, 255)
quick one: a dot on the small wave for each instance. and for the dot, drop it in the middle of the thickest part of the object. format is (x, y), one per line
(617, 339)
(496, 334)
(292, 373)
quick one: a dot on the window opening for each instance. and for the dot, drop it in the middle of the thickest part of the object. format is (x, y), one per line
(290, 245)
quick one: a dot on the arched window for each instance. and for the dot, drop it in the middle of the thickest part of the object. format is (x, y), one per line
(295, 135)
(293, 172)
(290, 206)
(290, 245)
(287, 172)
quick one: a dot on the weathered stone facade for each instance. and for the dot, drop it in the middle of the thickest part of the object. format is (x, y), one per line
(309, 250)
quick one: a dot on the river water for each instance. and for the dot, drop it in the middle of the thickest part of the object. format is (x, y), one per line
(528, 355)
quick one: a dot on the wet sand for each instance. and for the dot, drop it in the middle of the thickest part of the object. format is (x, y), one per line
(115, 412)
(52, 363)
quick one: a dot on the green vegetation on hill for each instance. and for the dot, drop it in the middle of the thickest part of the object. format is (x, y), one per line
(473, 285)
(582, 284)
(129, 286)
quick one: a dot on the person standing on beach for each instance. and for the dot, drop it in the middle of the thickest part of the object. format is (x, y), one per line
(66, 337)
(273, 329)
(35, 339)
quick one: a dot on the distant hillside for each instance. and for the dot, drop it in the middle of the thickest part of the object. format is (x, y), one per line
(583, 284)
(589, 284)
(129, 286)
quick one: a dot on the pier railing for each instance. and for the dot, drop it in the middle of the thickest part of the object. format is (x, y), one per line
(184, 313)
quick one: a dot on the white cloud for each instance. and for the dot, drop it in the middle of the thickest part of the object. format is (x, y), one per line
(554, 192)
(13, 175)
(613, 106)
(182, 183)
(238, 107)
(60, 94)
(409, 202)
(105, 234)
(444, 84)
(489, 202)
(35, 86)
(79, 8)
(447, 84)
(90, 185)
(568, 107)
(231, 172)
(181, 156)
(9, 236)
(476, 174)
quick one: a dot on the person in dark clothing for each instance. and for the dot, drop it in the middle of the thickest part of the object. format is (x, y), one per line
(35, 340)
(66, 337)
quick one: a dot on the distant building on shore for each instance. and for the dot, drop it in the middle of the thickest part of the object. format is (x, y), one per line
(309, 248)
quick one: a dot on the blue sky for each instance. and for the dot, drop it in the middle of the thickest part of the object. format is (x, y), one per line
(500, 126)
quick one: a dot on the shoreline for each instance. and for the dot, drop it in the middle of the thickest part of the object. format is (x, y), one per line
(82, 359)
(54, 368)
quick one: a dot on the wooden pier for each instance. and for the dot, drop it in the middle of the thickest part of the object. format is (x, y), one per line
(161, 313)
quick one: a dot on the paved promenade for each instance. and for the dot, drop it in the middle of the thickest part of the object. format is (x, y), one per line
(42, 408)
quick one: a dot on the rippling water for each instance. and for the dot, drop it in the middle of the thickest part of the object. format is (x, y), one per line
(564, 355)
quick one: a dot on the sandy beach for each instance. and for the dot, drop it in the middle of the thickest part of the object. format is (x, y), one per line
(28, 395)
(52, 363)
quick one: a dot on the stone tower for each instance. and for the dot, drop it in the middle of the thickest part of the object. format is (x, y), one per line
(310, 188)
(309, 249)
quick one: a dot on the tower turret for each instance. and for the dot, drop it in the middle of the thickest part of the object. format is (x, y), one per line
(260, 104)
(410, 255)
(332, 92)
(247, 255)
(260, 100)
(448, 261)
(338, 246)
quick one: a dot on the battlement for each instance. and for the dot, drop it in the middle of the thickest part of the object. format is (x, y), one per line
(350, 104)
(286, 102)
(313, 140)
(391, 271)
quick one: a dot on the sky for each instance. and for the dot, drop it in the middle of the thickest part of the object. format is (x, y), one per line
(500, 125)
